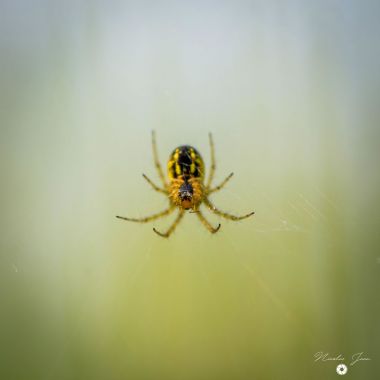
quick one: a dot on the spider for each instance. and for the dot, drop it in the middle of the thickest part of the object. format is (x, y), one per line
(187, 188)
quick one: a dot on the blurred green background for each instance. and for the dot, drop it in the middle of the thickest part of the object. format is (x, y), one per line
(290, 90)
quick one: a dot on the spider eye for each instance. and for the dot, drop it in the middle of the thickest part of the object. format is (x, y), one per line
(185, 193)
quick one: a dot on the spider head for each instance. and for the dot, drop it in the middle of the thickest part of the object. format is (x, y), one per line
(185, 194)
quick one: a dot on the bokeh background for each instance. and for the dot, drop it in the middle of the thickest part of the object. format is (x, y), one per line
(290, 90)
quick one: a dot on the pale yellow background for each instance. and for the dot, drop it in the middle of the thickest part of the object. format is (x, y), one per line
(290, 90)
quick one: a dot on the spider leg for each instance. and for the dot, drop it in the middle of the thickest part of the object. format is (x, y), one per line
(172, 227)
(225, 214)
(149, 218)
(155, 187)
(156, 160)
(213, 165)
(207, 224)
(221, 185)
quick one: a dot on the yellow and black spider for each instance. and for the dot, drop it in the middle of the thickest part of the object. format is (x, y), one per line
(186, 188)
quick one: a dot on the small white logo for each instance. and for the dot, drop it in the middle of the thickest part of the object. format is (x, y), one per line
(341, 369)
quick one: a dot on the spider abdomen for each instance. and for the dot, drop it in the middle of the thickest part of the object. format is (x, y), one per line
(185, 162)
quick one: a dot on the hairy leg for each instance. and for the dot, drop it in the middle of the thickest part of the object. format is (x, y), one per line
(225, 214)
(217, 188)
(172, 227)
(213, 165)
(156, 160)
(207, 224)
(149, 218)
(155, 187)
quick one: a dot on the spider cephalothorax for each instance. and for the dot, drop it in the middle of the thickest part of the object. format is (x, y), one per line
(186, 189)
(186, 193)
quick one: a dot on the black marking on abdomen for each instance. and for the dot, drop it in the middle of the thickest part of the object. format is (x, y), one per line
(185, 161)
